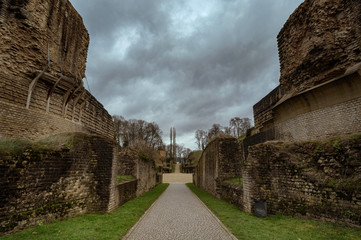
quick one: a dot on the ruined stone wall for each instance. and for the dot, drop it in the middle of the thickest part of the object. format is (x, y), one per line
(146, 175)
(319, 93)
(319, 41)
(135, 163)
(40, 184)
(49, 36)
(318, 180)
(220, 160)
(263, 113)
(330, 110)
(122, 193)
(233, 194)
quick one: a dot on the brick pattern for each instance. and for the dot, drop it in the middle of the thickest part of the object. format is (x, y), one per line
(220, 160)
(314, 179)
(19, 122)
(44, 184)
(319, 41)
(127, 191)
(340, 119)
(143, 169)
(33, 31)
(233, 194)
(262, 109)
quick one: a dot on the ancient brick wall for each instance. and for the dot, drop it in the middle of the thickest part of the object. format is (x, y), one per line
(330, 110)
(134, 162)
(232, 193)
(320, 83)
(319, 41)
(263, 114)
(121, 193)
(49, 36)
(318, 180)
(220, 160)
(43, 183)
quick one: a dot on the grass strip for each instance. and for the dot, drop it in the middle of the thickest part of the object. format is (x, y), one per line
(236, 180)
(95, 226)
(246, 226)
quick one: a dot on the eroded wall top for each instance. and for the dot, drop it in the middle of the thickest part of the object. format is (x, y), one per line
(320, 40)
(35, 31)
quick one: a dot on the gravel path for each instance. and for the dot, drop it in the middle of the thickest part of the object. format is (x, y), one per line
(177, 178)
(177, 168)
(178, 214)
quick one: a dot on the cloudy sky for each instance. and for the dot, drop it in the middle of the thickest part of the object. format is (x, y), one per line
(183, 63)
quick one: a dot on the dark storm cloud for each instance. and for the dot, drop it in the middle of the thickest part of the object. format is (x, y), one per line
(187, 64)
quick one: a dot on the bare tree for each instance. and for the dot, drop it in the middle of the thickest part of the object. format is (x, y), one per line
(239, 126)
(201, 139)
(137, 132)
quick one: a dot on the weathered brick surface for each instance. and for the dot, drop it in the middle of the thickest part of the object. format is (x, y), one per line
(220, 160)
(319, 50)
(319, 41)
(330, 110)
(133, 162)
(42, 184)
(339, 119)
(18, 122)
(233, 194)
(263, 115)
(31, 33)
(319, 180)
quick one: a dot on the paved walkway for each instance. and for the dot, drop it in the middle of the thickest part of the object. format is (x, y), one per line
(178, 214)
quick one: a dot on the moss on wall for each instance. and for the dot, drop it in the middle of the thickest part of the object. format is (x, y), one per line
(318, 179)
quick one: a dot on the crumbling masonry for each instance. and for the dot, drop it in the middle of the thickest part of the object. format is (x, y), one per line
(43, 53)
(318, 99)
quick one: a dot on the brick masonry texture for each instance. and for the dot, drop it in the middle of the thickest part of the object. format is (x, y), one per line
(35, 34)
(319, 41)
(42, 184)
(318, 180)
(220, 160)
(232, 193)
(133, 162)
(319, 50)
(339, 119)
(330, 110)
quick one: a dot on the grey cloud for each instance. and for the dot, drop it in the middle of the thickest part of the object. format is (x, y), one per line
(218, 71)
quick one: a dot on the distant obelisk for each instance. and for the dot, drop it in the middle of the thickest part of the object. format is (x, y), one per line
(173, 144)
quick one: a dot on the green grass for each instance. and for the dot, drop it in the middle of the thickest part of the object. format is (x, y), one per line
(246, 226)
(235, 180)
(173, 168)
(94, 226)
(124, 178)
(52, 143)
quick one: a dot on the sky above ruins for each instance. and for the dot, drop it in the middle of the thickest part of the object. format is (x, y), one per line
(184, 64)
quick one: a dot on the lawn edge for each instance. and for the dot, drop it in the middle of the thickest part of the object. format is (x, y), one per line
(134, 226)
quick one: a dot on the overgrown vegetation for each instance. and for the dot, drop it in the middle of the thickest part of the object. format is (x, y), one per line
(234, 180)
(194, 158)
(94, 226)
(124, 178)
(237, 127)
(246, 226)
(55, 142)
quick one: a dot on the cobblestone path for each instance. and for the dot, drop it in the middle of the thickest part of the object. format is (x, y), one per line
(178, 214)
